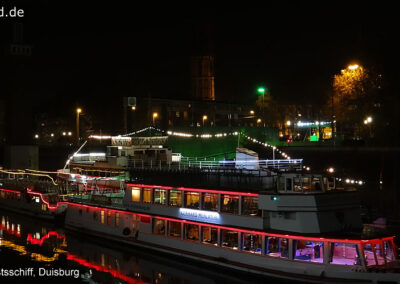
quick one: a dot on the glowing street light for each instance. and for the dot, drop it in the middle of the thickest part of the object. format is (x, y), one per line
(252, 112)
(259, 120)
(204, 118)
(288, 123)
(78, 112)
(155, 115)
(133, 108)
(261, 90)
(331, 170)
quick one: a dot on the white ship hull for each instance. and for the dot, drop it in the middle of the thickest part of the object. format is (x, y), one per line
(90, 220)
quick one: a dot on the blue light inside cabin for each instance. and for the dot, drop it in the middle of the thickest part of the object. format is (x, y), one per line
(274, 198)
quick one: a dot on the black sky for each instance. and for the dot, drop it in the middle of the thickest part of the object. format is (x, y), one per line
(97, 53)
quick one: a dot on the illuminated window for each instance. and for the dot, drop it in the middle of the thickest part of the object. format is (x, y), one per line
(251, 243)
(102, 216)
(276, 247)
(192, 232)
(108, 217)
(116, 219)
(347, 254)
(158, 226)
(229, 239)
(210, 201)
(175, 198)
(147, 195)
(230, 204)
(308, 251)
(210, 235)
(388, 248)
(160, 196)
(250, 206)
(44, 207)
(192, 200)
(174, 229)
(135, 194)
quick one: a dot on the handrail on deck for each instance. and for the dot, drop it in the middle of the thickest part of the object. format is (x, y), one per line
(280, 164)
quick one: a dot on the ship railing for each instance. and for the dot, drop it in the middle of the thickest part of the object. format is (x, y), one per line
(250, 165)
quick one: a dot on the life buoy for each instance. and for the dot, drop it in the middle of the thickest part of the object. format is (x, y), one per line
(126, 231)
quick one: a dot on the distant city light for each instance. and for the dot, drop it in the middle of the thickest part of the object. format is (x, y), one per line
(133, 108)
(259, 120)
(52, 134)
(64, 133)
(78, 110)
(288, 123)
(36, 136)
(261, 90)
(331, 170)
(252, 112)
(69, 133)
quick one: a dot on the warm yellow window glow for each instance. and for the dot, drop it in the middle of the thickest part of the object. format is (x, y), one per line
(135, 194)
(102, 216)
(147, 195)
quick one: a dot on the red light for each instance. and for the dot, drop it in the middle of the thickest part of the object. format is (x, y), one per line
(34, 241)
(114, 273)
(9, 190)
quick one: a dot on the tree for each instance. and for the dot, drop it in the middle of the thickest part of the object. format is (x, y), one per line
(355, 93)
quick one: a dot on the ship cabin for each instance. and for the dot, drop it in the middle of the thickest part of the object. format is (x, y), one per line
(302, 207)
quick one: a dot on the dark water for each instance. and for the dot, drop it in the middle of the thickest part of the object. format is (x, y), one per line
(29, 243)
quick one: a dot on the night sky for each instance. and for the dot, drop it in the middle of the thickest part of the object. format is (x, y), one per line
(95, 54)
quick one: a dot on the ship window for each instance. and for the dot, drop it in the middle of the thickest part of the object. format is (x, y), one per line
(251, 243)
(158, 226)
(306, 183)
(160, 196)
(44, 208)
(175, 198)
(346, 254)
(297, 184)
(250, 206)
(147, 195)
(276, 247)
(108, 217)
(316, 184)
(174, 229)
(379, 254)
(192, 232)
(102, 216)
(388, 248)
(210, 201)
(117, 219)
(192, 200)
(229, 239)
(210, 235)
(308, 251)
(230, 204)
(135, 194)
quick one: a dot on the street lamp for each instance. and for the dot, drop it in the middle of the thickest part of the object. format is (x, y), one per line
(155, 115)
(204, 118)
(78, 112)
(261, 90)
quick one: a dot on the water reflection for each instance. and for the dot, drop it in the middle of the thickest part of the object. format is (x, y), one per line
(27, 242)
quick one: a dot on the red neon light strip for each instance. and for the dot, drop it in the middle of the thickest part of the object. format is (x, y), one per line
(9, 190)
(195, 189)
(104, 208)
(30, 191)
(34, 241)
(114, 273)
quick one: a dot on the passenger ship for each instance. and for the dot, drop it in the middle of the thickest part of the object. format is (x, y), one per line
(295, 230)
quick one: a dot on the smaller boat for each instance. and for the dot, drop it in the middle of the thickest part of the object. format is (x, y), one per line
(34, 194)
